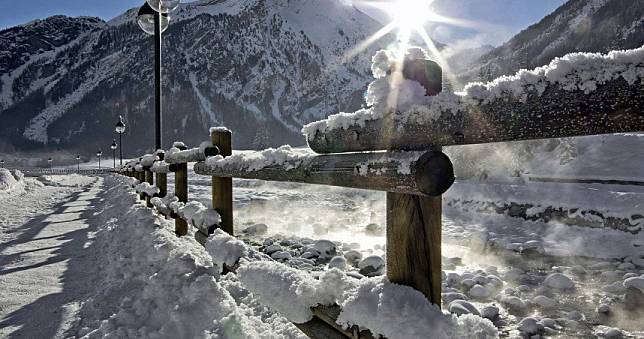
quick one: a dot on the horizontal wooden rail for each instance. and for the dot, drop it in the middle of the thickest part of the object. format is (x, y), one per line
(191, 155)
(430, 173)
(614, 107)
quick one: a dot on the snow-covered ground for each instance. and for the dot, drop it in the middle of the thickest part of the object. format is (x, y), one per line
(82, 258)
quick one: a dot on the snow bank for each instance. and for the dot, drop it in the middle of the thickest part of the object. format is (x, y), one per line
(156, 285)
(10, 180)
(284, 156)
(385, 308)
(572, 72)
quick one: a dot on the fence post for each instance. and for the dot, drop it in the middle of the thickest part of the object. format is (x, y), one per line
(222, 188)
(414, 222)
(414, 243)
(162, 178)
(149, 178)
(181, 192)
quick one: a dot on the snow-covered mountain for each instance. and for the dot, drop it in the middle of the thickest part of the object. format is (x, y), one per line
(576, 26)
(248, 64)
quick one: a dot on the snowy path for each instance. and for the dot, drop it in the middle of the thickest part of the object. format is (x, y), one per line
(45, 261)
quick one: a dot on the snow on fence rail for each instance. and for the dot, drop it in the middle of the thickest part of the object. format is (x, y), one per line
(577, 95)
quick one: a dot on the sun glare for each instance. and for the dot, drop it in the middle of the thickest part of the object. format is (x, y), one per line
(409, 19)
(411, 14)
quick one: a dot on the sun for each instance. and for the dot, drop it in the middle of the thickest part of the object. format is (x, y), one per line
(412, 14)
(409, 19)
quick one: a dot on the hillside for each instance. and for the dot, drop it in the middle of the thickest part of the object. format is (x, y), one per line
(251, 65)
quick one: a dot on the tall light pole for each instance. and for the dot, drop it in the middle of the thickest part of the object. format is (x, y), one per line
(99, 154)
(120, 128)
(78, 162)
(153, 19)
(113, 147)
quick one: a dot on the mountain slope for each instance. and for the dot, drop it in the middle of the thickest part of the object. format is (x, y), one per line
(576, 26)
(249, 65)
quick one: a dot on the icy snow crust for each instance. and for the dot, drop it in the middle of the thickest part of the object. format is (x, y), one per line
(572, 72)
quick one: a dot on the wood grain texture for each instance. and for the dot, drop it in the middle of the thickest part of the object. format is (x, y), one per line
(614, 107)
(374, 171)
(181, 192)
(162, 184)
(222, 187)
(414, 243)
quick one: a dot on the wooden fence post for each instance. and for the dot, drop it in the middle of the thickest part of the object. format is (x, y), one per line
(222, 188)
(162, 178)
(414, 222)
(414, 243)
(149, 178)
(181, 192)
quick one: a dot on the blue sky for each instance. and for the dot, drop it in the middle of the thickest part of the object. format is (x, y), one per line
(498, 19)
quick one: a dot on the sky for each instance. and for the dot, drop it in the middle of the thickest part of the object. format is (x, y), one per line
(497, 20)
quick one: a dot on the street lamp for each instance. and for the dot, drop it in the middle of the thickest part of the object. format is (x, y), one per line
(51, 162)
(153, 19)
(120, 128)
(113, 147)
(78, 162)
(99, 154)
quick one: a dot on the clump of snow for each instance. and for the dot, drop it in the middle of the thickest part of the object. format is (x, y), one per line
(290, 291)
(572, 72)
(163, 204)
(160, 167)
(148, 159)
(147, 189)
(284, 156)
(384, 308)
(8, 180)
(219, 129)
(225, 249)
(197, 214)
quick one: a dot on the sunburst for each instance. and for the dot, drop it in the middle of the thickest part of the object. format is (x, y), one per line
(409, 17)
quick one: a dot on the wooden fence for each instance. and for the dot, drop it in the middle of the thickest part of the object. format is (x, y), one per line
(413, 235)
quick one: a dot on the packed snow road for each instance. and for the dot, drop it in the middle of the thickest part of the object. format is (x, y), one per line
(45, 269)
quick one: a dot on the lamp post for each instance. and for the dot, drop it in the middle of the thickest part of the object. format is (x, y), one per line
(99, 154)
(113, 147)
(51, 162)
(120, 128)
(78, 162)
(153, 19)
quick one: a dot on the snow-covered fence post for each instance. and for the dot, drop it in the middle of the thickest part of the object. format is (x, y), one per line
(413, 221)
(181, 192)
(162, 178)
(222, 188)
(149, 178)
